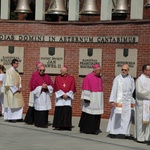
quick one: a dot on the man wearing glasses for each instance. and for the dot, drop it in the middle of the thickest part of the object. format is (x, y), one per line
(13, 100)
(122, 102)
(42, 87)
(142, 107)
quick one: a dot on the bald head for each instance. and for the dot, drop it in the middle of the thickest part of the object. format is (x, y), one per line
(125, 69)
(64, 70)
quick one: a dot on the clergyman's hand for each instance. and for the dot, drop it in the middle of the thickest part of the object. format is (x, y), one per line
(44, 86)
(65, 96)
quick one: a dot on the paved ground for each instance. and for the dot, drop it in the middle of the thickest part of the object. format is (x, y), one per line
(18, 136)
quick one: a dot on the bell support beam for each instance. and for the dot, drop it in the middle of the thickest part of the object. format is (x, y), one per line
(136, 9)
(40, 10)
(106, 10)
(73, 13)
(5, 9)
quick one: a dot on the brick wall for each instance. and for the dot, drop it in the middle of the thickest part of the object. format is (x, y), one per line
(111, 28)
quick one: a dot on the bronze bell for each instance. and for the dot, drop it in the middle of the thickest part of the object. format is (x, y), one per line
(89, 8)
(147, 5)
(121, 7)
(23, 7)
(56, 7)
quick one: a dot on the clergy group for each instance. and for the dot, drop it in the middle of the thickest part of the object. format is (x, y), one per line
(129, 101)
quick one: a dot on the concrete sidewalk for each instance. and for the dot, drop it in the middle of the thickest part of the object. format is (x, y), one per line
(19, 136)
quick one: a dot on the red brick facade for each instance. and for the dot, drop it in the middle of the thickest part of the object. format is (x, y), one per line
(127, 27)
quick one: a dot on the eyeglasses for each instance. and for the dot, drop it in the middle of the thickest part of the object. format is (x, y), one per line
(124, 69)
(42, 70)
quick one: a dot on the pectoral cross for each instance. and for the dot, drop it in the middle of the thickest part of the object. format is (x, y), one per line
(64, 85)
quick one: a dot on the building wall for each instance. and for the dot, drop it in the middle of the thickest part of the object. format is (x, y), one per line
(119, 28)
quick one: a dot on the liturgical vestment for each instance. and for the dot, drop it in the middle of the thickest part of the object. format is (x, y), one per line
(13, 100)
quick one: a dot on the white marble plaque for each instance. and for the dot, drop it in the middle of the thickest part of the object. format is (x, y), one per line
(87, 58)
(126, 56)
(10, 52)
(52, 58)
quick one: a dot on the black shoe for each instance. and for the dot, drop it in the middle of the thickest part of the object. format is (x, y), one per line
(95, 133)
(67, 128)
(12, 121)
(46, 126)
(143, 142)
(99, 131)
(121, 136)
(58, 128)
(148, 142)
(20, 120)
(112, 136)
(61, 128)
(130, 137)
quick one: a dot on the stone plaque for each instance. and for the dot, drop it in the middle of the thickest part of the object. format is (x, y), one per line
(10, 52)
(126, 56)
(87, 58)
(52, 58)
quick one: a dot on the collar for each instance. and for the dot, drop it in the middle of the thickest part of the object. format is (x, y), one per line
(124, 76)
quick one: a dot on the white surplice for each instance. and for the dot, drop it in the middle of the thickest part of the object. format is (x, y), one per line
(42, 100)
(142, 130)
(60, 101)
(122, 90)
(96, 106)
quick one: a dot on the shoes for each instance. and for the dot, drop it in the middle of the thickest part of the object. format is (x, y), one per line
(121, 136)
(12, 121)
(113, 136)
(97, 132)
(130, 137)
(16, 120)
(58, 129)
(19, 120)
(46, 126)
(142, 142)
(66, 128)
(63, 128)
(148, 142)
